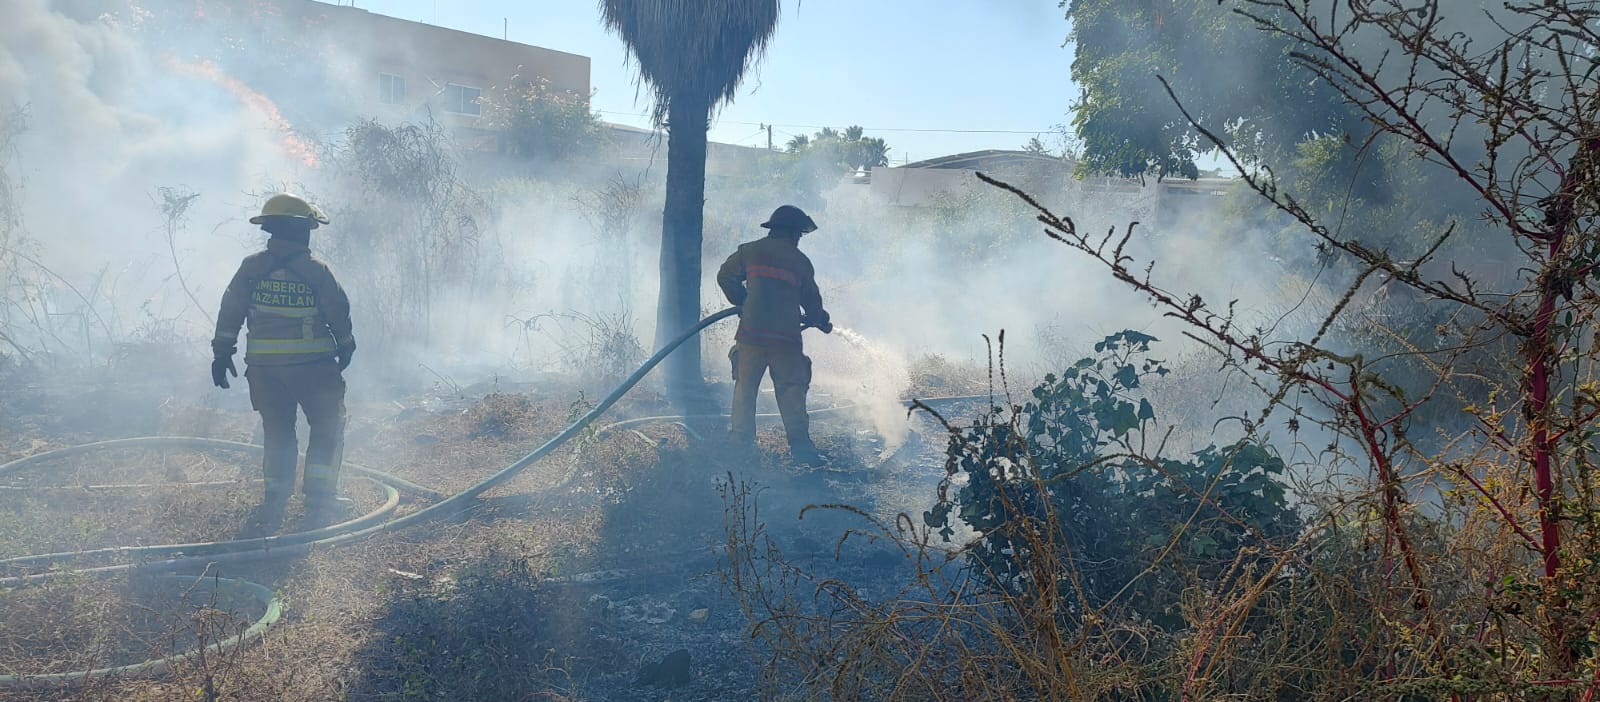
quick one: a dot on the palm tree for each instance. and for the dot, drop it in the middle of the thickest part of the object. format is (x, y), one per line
(693, 55)
(874, 152)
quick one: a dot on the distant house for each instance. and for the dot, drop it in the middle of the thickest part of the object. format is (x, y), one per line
(928, 182)
(1051, 179)
(402, 68)
(372, 65)
(1180, 200)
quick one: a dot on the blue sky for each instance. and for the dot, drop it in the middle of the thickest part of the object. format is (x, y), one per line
(944, 65)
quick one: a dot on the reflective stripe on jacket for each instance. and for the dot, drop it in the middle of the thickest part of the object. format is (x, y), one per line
(296, 310)
(773, 282)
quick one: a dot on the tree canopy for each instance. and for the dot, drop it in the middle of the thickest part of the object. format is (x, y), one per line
(850, 149)
(699, 50)
(538, 122)
(1224, 70)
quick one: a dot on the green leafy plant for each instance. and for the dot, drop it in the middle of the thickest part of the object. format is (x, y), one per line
(538, 122)
(1064, 492)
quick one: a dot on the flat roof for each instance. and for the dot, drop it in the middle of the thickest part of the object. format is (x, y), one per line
(972, 159)
(351, 10)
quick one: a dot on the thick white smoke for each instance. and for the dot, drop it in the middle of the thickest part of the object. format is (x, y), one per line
(109, 123)
(113, 120)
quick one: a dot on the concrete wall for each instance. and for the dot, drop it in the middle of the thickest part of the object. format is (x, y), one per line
(429, 59)
(640, 149)
(921, 187)
(1167, 206)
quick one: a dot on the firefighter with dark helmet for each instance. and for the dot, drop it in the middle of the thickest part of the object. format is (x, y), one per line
(298, 345)
(775, 287)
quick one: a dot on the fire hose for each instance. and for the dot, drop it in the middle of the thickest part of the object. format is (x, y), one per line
(172, 558)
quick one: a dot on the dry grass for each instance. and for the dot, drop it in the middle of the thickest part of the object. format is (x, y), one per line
(481, 606)
(73, 625)
(139, 496)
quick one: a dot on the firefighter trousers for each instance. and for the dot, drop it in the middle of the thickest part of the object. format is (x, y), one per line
(791, 377)
(277, 392)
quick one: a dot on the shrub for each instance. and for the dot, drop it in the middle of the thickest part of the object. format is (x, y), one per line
(1063, 494)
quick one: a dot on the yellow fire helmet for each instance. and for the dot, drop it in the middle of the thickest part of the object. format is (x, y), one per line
(287, 205)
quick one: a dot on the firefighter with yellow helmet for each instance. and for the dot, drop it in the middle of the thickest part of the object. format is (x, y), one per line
(298, 345)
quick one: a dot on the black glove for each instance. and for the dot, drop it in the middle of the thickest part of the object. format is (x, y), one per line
(344, 354)
(221, 366)
(821, 321)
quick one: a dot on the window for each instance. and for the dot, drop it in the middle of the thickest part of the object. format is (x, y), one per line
(391, 89)
(461, 99)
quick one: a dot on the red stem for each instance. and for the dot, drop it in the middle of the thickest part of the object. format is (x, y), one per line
(1505, 513)
(1581, 423)
(1391, 517)
(1541, 355)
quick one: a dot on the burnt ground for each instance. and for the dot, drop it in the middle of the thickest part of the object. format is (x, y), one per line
(583, 591)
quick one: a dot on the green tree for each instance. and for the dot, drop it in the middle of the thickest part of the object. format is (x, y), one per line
(849, 150)
(871, 152)
(693, 56)
(1130, 127)
(539, 123)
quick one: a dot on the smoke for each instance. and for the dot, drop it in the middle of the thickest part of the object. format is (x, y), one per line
(109, 124)
(945, 280)
(551, 276)
(565, 274)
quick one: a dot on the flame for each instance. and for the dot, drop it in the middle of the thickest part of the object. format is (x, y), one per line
(293, 146)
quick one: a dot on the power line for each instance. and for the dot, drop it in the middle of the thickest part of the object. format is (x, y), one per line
(759, 133)
(900, 129)
(914, 129)
(870, 129)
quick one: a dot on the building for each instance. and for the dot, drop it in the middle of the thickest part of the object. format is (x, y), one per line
(359, 64)
(931, 181)
(404, 70)
(1052, 180)
(393, 68)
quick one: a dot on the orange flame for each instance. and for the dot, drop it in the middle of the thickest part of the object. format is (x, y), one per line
(293, 146)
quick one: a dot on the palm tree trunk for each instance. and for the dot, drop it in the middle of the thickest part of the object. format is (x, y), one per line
(681, 222)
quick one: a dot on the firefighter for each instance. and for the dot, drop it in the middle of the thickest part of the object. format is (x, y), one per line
(298, 345)
(775, 287)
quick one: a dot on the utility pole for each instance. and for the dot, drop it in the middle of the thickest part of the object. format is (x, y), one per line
(768, 127)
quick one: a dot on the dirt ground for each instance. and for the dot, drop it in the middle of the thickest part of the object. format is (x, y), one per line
(587, 577)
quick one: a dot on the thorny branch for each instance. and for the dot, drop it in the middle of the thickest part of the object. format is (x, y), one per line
(175, 204)
(1531, 97)
(1292, 368)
